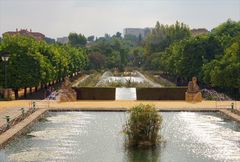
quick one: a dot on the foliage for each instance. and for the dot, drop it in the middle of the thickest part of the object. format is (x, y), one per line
(226, 31)
(49, 40)
(96, 60)
(77, 40)
(143, 126)
(136, 56)
(91, 38)
(109, 52)
(186, 58)
(163, 35)
(33, 62)
(213, 58)
(224, 72)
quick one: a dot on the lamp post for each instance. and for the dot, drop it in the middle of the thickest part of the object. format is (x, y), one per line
(5, 57)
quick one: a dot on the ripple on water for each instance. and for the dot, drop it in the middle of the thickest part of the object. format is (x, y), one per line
(210, 138)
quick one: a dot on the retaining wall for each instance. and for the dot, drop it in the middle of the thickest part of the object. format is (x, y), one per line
(166, 93)
(95, 93)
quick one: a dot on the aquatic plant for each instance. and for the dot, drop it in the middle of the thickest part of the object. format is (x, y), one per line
(142, 129)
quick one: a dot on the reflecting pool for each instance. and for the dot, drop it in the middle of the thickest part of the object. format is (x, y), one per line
(97, 137)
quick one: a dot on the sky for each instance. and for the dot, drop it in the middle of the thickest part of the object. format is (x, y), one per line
(57, 18)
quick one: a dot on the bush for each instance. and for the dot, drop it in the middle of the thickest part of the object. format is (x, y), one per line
(143, 127)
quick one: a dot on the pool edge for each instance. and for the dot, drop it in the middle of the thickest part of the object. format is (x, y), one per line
(19, 128)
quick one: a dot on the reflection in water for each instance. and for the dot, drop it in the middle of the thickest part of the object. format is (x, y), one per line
(143, 155)
(96, 137)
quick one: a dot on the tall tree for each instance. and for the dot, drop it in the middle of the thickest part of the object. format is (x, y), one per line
(77, 40)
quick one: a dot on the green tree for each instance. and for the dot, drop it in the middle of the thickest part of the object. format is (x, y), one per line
(77, 40)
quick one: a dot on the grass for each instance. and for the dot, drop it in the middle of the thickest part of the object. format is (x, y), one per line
(142, 129)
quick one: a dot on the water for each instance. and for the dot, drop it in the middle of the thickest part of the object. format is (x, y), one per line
(97, 137)
(125, 79)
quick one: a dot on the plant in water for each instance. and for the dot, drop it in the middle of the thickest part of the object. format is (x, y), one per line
(142, 129)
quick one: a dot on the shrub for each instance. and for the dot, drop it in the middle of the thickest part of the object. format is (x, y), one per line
(142, 129)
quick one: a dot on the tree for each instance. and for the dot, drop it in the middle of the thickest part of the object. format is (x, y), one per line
(91, 38)
(226, 31)
(163, 35)
(96, 60)
(33, 62)
(49, 40)
(225, 72)
(118, 35)
(77, 40)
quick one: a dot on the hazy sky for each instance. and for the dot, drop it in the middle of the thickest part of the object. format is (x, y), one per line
(56, 18)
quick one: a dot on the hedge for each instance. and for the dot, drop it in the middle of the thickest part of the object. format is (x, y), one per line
(171, 93)
(95, 93)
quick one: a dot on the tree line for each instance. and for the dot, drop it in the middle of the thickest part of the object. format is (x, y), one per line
(213, 57)
(33, 63)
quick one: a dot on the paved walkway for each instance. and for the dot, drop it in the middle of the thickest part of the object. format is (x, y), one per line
(12, 108)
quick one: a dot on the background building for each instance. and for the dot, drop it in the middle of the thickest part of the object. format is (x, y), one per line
(134, 32)
(38, 36)
(199, 31)
(63, 40)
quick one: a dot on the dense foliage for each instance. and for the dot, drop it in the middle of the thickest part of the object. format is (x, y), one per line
(143, 126)
(214, 57)
(33, 63)
(77, 40)
(110, 52)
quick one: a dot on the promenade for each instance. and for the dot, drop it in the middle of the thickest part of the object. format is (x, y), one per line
(13, 108)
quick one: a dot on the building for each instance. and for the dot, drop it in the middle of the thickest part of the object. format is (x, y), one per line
(136, 32)
(63, 40)
(38, 36)
(199, 31)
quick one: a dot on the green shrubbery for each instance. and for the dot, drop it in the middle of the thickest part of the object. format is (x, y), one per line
(143, 126)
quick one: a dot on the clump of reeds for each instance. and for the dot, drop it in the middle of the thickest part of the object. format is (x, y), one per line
(142, 129)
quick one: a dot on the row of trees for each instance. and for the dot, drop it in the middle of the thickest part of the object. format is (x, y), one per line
(33, 63)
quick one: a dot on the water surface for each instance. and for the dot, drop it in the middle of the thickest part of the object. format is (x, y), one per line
(97, 137)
